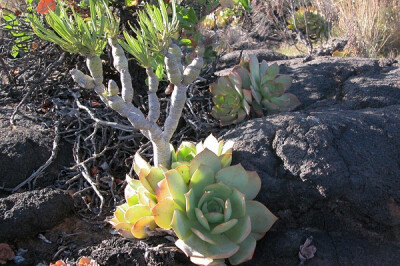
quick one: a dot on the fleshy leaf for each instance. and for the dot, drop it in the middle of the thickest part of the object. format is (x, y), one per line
(203, 236)
(272, 72)
(219, 87)
(245, 251)
(132, 200)
(227, 147)
(207, 261)
(244, 76)
(190, 204)
(120, 214)
(227, 210)
(254, 69)
(225, 159)
(134, 213)
(285, 80)
(214, 217)
(138, 230)
(201, 219)
(219, 190)
(223, 248)
(286, 102)
(181, 225)
(248, 96)
(262, 219)
(140, 163)
(143, 179)
(177, 187)
(205, 157)
(221, 228)
(263, 68)
(192, 246)
(203, 177)
(238, 204)
(162, 190)
(155, 176)
(233, 176)
(183, 170)
(236, 82)
(253, 186)
(163, 212)
(212, 144)
(241, 230)
(124, 229)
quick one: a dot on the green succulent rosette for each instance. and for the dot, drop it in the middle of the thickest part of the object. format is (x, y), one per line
(230, 103)
(212, 210)
(268, 87)
(188, 150)
(134, 218)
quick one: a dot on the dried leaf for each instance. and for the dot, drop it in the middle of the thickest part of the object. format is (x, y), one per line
(307, 250)
(58, 263)
(45, 5)
(6, 253)
(85, 261)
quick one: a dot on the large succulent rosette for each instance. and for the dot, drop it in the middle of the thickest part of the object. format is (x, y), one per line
(212, 210)
(134, 218)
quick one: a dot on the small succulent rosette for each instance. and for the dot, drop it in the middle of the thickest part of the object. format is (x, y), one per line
(231, 103)
(212, 210)
(134, 218)
(188, 150)
(268, 87)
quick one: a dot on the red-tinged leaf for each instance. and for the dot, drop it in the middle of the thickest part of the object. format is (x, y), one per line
(45, 5)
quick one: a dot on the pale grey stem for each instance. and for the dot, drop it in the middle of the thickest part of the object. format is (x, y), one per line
(102, 122)
(162, 154)
(154, 107)
(121, 65)
(95, 67)
(178, 99)
(154, 103)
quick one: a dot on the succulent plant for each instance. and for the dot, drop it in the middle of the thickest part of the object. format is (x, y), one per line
(188, 150)
(268, 87)
(208, 203)
(131, 218)
(309, 20)
(230, 104)
(212, 211)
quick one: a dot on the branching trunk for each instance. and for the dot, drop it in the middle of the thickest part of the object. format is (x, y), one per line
(123, 104)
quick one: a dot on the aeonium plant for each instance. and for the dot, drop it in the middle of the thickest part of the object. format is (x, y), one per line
(134, 218)
(208, 203)
(252, 87)
(154, 38)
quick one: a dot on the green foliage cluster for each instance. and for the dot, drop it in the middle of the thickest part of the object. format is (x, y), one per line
(75, 34)
(252, 86)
